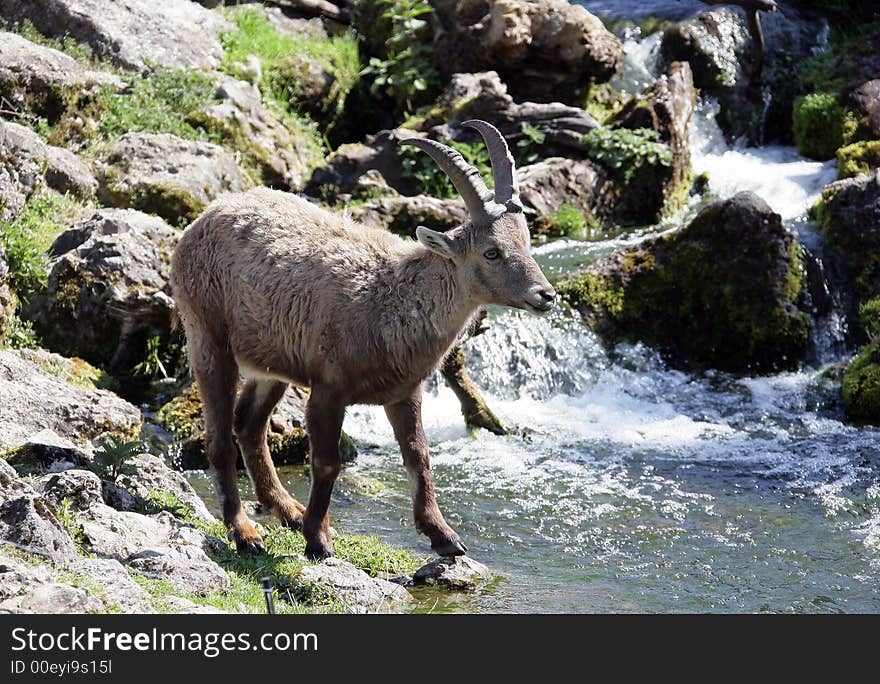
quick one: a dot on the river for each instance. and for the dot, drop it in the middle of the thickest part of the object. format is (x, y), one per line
(629, 486)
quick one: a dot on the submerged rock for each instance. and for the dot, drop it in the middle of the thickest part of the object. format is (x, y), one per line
(341, 581)
(457, 572)
(165, 175)
(108, 288)
(545, 50)
(134, 33)
(720, 292)
(33, 399)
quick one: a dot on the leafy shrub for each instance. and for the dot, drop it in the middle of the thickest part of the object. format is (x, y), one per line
(18, 334)
(111, 460)
(859, 157)
(406, 74)
(818, 125)
(869, 315)
(624, 152)
(525, 147)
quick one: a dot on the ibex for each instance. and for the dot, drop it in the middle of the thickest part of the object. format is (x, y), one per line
(275, 288)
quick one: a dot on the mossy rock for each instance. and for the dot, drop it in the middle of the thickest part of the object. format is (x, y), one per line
(860, 385)
(288, 445)
(857, 158)
(719, 293)
(818, 125)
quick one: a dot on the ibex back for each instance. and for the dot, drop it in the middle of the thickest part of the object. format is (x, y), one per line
(280, 291)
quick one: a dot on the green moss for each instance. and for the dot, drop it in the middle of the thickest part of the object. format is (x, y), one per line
(869, 317)
(602, 102)
(859, 157)
(860, 385)
(670, 293)
(818, 125)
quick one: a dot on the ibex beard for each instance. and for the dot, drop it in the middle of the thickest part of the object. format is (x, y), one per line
(278, 290)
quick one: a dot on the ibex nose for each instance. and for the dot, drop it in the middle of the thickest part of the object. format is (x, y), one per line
(548, 294)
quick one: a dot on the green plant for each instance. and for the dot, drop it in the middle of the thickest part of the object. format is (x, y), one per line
(420, 170)
(152, 365)
(18, 334)
(869, 315)
(818, 125)
(858, 157)
(158, 103)
(625, 152)
(67, 517)
(159, 501)
(570, 221)
(406, 74)
(111, 460)
(525, 146)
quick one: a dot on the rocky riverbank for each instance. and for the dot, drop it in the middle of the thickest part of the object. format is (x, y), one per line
(118, 128)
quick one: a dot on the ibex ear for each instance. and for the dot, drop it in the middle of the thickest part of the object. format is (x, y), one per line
(437, 242)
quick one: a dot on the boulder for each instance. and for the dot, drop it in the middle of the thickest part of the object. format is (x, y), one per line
(165, 175)
(54, 597)
(545, 50)
(33, 399)
(158, 546)
(27, 163)
(45, 451)
(27, 521)
(558, 128)
(283, 156)
(41, 81)
(402, 215)
(665, 107)
(107, 289)
(132, 34)
(79, 488)
(18, 577)
(849, 215)
(864, 101)
(453, 572)
(341, 581)
(721, 292)
(110, 581)
(718, 47)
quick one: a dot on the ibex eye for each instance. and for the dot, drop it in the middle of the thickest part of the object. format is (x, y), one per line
(491, 254)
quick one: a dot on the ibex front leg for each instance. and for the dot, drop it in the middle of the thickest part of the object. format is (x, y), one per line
(324, 414)
(406, 419)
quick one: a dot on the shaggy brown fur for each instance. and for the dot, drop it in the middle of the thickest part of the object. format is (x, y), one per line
(282, 291)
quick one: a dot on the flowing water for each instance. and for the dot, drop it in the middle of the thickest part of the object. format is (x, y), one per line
(629, 486)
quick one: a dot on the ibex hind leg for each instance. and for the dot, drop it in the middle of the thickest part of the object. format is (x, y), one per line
(253, 409)
(217, 376)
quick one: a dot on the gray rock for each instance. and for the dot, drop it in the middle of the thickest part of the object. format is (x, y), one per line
(80, 488)
(281, 155)
(107, 289)
(40, 80)
(548, 184)
(151, 476)
(46, 451)
(459, 572)
(865, 102)
(108, 580)
(158, 546)
(17, 577)
(402, 215)
(178, 604)
(174, 33)
(26, 163)
(165, 175)
(56, 598)
(32, 399)
(354, 588)
(545, 50)
(27, 521)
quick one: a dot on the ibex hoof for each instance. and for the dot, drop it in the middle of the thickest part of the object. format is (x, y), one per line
(251, 547)
(318, 553)
(453, 547)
